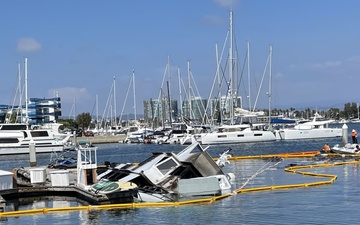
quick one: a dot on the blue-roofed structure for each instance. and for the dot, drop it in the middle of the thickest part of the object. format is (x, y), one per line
(40, 111)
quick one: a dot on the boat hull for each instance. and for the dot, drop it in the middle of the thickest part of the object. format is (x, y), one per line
(14, 150)
(294, 134)
(237, 137)
(347, 149)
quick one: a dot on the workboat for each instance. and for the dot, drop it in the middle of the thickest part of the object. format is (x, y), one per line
(168, 176)
(347, 149)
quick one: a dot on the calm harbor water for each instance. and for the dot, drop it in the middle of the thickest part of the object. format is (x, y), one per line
(330, 204)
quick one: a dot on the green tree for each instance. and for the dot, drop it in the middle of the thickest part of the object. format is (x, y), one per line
(83, 120)
(68, 124)
(13, 118)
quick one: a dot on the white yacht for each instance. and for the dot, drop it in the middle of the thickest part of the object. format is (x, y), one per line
(19, 142)
(241, 133)
(309, 130)
(136, 134)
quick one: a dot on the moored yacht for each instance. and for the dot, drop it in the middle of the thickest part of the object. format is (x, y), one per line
(309, 130)
(135, 134)
(19, 143)
(245, 129)
(241, 133)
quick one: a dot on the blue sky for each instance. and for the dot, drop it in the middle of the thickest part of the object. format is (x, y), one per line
(75, 48)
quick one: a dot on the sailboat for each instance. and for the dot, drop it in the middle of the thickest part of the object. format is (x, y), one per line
(245, 129)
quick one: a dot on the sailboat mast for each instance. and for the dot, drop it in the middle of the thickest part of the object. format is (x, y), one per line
(270, 83)
(248, 61)
(162, 108)
(181, 104)
(97, 112)
(189, 87)
(74, 109)
(231, 105)
(218, 102)
(20, 93)
(169, 102)
(168, 87)
(114, 103)
(26, 93)
(134, 94)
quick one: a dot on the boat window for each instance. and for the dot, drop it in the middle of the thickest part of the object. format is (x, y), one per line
(39, 133)
(8, 140)
(260, 134)
(234, 129)
(240, 135)
(13, 127)
(177, 126)
(167, 165)
(178, 131)
(133, 129)
(43, 143)
(222, 136)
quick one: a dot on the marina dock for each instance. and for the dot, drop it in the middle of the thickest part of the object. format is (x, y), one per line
(44, 182)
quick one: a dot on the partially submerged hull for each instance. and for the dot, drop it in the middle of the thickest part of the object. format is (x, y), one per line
(237, 137)
(347, 149)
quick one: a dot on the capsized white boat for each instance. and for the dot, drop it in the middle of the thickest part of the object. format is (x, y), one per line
(347, 149)
(169, 176)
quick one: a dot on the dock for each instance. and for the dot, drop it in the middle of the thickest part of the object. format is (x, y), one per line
(44, 182)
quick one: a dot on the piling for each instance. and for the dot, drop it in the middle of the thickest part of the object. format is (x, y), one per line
(74, 138)
(344, 134)
(32, 151)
